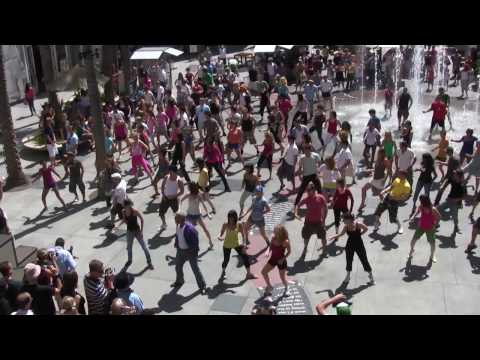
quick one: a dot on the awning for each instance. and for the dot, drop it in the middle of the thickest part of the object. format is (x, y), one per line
(261, 48)
(154, 53)
(288, 47)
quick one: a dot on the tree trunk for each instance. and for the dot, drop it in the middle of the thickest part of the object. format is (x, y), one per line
(125, 53)
(96, 111)
(108, 53)
(15, 174)
(48, 77)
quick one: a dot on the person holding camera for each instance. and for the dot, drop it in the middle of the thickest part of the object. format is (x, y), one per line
(98, 284)
(123, 283)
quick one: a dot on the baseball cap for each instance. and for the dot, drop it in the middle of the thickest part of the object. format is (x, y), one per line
(31, 272)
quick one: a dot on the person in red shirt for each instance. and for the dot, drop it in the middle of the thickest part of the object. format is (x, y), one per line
(340, 202)
(29, 98)
(267, 154)
(314, 218)
(439, 109)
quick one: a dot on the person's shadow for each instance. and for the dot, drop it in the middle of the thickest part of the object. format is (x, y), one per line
(171, 302)
(301, 266)
(222, 287)
(385, 240)
(415, 272)
(474, 263)
(447, 241)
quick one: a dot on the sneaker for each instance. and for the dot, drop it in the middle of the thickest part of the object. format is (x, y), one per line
(400, 229)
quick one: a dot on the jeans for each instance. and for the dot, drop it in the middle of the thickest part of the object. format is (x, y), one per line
(418, 189)
(192, 257)
(139, 236)
(453, 206)
(305, 181)
(31, 106)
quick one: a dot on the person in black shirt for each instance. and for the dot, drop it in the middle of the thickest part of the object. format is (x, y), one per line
(12, 287)
(42, 294)
(318, 122)
(426, 178)
(75, 169)
(404, 103)
(454, 199)
(69, 288)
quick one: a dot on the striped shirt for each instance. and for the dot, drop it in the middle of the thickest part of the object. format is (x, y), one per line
(96, 294)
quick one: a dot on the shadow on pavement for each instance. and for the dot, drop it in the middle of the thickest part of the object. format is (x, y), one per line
(350, 293)
(222, 288)
(447, 241)
(385, 240)
(172, 302)
(63, 215)
(152, 207)
(474, 263)
(110, 238)
(157, 241)
(301, 266)
(99, 211)
(415, 272)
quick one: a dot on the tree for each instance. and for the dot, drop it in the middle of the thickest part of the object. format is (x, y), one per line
(48, 77)
(125, 56)
(15, 174)
(96, 112)
(108, 54)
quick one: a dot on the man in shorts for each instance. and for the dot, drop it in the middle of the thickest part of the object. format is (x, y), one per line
(404, 103)
(172, 189)
(248, 129)
(314, 219)
(446, 100)
(75, 169)
(439, 109)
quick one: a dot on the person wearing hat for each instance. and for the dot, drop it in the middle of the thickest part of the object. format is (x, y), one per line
(122, 283)
(258, 209)
(42, 295)
(172, 189)
(119, 195)
(76, 171)
(391, 197)
(186, 243)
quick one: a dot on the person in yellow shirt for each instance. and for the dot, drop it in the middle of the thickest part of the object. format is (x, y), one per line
(399, 191)
(203, 182)
(442, 151)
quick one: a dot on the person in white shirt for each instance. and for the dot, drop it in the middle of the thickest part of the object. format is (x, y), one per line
(289, 162)
(371, 138)
(271, 70)
(299, 131)
(24, 302)
(404, 161)
(119, 195)
(149, 97)
(329, 175)
(160, 93)
(326, 87)
(344, 161)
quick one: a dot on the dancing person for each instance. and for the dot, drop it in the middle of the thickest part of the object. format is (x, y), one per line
(371, 139)
(248, 129)
(258, 209)
(134, 231)
(429, 218)
(308, 168)
(49, 183)
(162, 170)
(172, 189)
(340, 202)
(276, 124)
(266, 154)
(193, 212)
(314, 219)
(249, 184)
(354, 230)
(278, 252)
(139, 149)
(329, 175)
(301, 110)
(426, 178)
(377, 183)
(232, 229)
(405, 159)
(391, 197)
(286, 169)
(186, 243)
(121, 135)
(388, 101)
(318, 124)
(214, 160)
(203, 182)
(404, 103)
(454, 199)
(344, 159)
(468, 141)
(442, 151)
(439, 109)
(374, 120)
(235, 139)
(76, 171)
(475, 231)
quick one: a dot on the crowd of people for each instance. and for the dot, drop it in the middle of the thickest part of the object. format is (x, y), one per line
(211, 124)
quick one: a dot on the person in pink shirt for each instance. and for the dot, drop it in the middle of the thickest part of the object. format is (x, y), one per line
(49, 183)
(121, 133)
(171, 110)
(30, 98)
(214, 159)
(314, 219)
(138, 150)
(285, 105)
(267, 154)
(162, 122)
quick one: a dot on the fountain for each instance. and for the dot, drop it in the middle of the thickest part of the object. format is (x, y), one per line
(375, 85)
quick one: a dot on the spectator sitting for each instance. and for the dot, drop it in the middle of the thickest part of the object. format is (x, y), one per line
(122, 284)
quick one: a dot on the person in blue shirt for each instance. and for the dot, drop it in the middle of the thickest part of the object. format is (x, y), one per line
(123, 282)
(65, 259)
(374, 120)
(258, 210)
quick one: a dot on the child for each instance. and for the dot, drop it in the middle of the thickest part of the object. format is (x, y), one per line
(194, 215)
(267, 154)
(49, 183)
(390, 147)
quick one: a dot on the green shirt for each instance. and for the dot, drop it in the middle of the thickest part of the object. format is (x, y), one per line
(446, 99)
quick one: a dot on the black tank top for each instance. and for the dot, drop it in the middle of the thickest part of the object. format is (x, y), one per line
(247, 124)
(132, 222)
(250, 184)
(354, 237)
